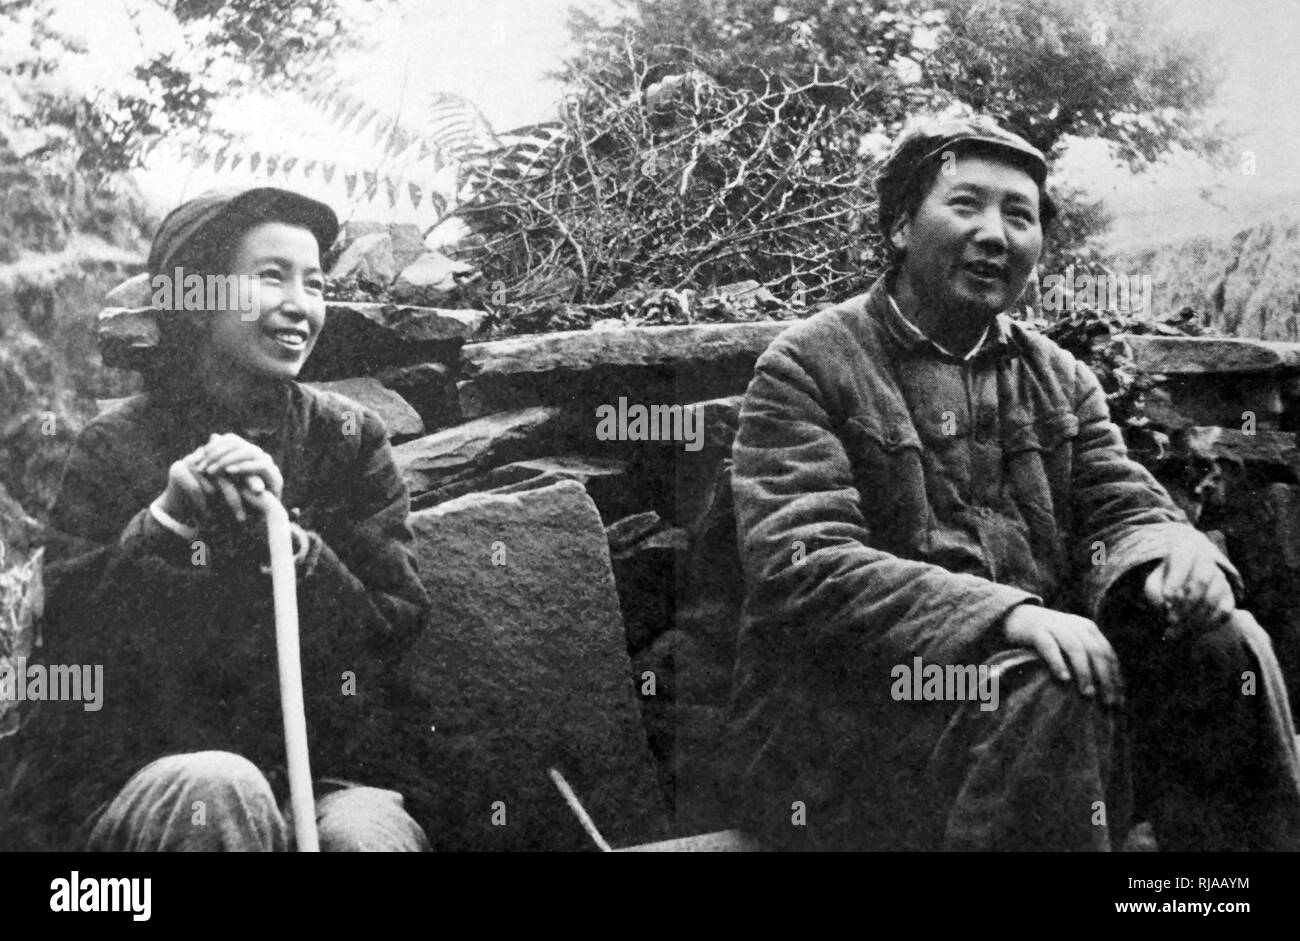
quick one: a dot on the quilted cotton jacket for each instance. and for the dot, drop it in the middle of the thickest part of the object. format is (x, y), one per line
(895, 501)
(188, 649)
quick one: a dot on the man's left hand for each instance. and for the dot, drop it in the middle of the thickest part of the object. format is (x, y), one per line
(1192, 590)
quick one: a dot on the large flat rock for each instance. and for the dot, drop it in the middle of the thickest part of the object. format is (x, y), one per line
(635, 346)
(606, 481)
(363, 338)
(417, 324)
(525, 669)
(1200, 355)
(369, 257)
(1265, 447)
(401, 420)
(452, 454)
(429, 387)
(126, 335)
(587, 389)
(431, 278)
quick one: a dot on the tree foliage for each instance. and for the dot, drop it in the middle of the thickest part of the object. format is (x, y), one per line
(1110, 69)
(688, 187)
(784, 110)
(64, 102)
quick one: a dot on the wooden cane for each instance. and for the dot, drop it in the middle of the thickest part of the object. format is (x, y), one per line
(284, 593)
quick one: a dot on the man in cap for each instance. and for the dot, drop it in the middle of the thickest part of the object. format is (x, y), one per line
(971, 621)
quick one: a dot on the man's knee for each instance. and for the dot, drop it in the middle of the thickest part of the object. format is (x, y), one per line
(1033, 772)
(1237, 646)
(1050, 718)
(367, 819)
(1025, 681)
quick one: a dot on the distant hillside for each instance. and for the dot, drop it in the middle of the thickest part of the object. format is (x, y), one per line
(1149, 213)
(1247, 280)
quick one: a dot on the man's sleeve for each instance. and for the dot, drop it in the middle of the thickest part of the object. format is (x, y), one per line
(811, 572)
(1124, 518)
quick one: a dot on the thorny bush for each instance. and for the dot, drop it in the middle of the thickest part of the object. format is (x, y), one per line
(681, 186)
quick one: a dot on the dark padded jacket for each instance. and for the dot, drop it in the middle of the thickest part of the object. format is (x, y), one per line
(895, 501)
(186, 633)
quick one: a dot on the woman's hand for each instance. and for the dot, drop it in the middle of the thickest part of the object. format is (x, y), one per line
(227, 470)
(189, 494)
(238, 469)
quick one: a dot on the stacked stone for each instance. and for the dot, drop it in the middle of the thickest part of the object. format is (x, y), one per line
(493, 436)
(534, 408)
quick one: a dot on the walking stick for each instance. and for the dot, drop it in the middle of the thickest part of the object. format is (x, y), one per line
(285, 597)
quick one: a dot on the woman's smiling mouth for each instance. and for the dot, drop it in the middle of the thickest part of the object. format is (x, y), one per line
(290, 338)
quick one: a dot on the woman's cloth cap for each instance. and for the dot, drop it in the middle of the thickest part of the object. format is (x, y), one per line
(213, 214)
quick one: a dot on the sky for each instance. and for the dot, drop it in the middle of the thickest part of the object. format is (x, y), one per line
(496, 53)
(1260, 103)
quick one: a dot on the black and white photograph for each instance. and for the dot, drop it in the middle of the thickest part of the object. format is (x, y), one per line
(651, 426)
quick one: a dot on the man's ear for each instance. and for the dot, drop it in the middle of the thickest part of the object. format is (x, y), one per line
(900, 231)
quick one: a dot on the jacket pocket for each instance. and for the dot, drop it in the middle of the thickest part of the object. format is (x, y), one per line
(888, 471)
(1045, 434)
(1038, 457)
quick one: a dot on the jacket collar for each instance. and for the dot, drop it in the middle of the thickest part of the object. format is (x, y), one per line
(907, 339)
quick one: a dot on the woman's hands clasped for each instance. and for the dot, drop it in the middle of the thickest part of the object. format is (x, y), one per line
(225, 477)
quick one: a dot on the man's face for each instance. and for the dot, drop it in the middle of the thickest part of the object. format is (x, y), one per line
(974, 240)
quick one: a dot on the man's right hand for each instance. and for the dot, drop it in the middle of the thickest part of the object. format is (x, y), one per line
(1072, 646)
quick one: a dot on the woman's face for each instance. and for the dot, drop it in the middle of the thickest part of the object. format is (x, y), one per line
(273, 338)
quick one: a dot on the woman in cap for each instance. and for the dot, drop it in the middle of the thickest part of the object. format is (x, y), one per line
(157, 564)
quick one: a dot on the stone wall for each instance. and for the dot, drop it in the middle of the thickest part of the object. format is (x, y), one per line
(516, 415)
(476, 422)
